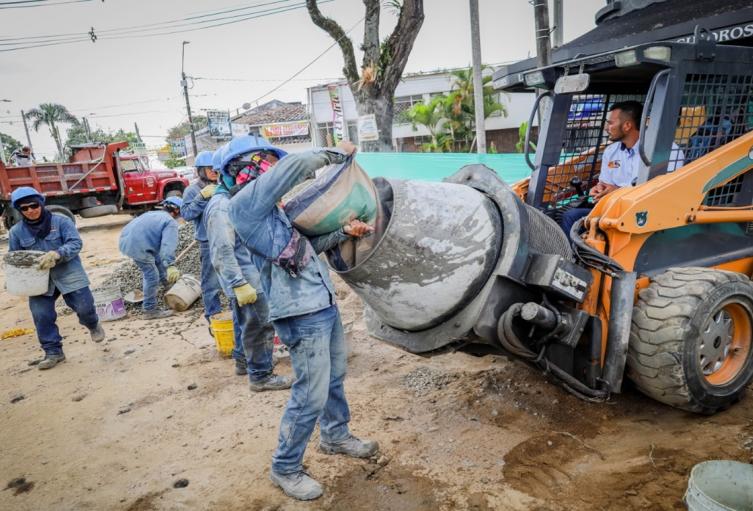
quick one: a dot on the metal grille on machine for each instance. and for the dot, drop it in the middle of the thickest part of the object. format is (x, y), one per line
(716, 109)
(582, 147)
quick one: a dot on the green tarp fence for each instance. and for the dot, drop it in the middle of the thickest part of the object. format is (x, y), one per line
(437, 166)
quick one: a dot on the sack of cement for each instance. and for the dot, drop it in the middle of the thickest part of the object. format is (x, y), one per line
(341, 193)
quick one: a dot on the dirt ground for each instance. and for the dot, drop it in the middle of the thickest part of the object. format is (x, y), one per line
(119, 423)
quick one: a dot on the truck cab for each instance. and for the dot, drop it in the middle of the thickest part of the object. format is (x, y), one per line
(144, 186)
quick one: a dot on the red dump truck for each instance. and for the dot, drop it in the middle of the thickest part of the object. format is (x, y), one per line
(98, 180)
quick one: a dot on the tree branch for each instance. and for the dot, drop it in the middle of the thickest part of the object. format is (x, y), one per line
(371, 33)
(338, 34)
(398, 47)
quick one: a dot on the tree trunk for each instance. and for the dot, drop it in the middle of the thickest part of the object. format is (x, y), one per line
(383, 110)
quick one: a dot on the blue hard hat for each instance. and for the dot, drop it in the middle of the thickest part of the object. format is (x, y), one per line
(247, 144)
(217, 158)
(174, 201)
(25, 192)
(204, 159)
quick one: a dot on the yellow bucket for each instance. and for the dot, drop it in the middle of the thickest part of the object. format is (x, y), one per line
(222, 330)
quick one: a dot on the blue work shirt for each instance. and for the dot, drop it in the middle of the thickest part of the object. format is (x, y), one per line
(230, 258)
(150, 236)
(68, 274)
(265, 229)
(193, 207)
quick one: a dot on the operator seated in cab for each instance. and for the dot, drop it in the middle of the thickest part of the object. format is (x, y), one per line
(621, 163)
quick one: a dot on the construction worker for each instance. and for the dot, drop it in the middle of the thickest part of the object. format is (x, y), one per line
(195, 199)
(22, 157)
(301, 303)
(151, 240)
(58, 238)
(620, 164)
(240, 280)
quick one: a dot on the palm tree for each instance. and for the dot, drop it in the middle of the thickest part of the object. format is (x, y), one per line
(431, 116)
(51, 114)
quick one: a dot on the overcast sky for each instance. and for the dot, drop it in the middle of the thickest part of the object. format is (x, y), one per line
(136, 78)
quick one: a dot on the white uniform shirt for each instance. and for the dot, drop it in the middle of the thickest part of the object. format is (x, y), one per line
(620, 165)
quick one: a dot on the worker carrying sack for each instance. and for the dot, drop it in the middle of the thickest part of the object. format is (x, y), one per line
(341, 193)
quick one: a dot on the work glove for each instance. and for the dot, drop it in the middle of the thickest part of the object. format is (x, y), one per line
(208, 191)
(48, 260)
(173, 274)
(245, 294)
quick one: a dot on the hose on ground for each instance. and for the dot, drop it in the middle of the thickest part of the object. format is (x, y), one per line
(512, 343)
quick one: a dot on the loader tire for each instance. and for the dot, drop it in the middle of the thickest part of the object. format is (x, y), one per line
(690, 341)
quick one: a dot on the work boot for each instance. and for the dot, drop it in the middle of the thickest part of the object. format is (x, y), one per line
(240, 367)
(50, 360)
(271, 382)
(351, 446)
(298, 485)
(157, 314)
(97, 333)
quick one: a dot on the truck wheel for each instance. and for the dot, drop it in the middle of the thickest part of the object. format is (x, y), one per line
(10, 218)
(62, 210)
(174, 193)
(690, 343)
(106, 209)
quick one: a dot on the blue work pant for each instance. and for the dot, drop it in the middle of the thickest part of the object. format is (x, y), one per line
(45, 317)
(153, 273)
(210, 283)
(571, 216)
(256, 335)
(318, 355)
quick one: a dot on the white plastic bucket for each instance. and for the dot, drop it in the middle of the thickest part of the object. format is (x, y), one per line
(183, 293)
(22, 276)
(109, 303)
(720, 485)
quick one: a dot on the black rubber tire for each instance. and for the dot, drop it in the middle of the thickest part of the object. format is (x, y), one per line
(62, 210)
(668, 318)
(174, 193)
(95, 211)
(10, 218)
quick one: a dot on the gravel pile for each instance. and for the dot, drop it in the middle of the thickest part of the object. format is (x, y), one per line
(128, 276)
(424, 380)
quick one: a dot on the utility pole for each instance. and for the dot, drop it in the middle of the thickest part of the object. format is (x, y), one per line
(26, 129)
(478, 83)
(138, 135)
(543, 42)
(87, 130)
(184, 83)
(2, 151)
(559, 27)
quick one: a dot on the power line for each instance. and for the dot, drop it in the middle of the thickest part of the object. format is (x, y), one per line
(38, 3)
(177, 23)
(284, 82)
(257, 80)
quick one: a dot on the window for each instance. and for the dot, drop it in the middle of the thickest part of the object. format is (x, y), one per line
(402, 105)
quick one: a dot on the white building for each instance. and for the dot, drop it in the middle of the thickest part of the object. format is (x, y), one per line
(415, 88)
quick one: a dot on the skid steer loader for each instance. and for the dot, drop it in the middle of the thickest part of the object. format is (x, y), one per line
(654, 283)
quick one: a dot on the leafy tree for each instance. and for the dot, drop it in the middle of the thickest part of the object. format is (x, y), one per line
(51, 114)
(520, 145)
(77, 136)
(383, 61)
(431, 116)
(184, 128)
(9, 143)
(450, 118)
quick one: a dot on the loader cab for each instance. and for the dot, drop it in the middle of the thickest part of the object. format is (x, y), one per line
(696, 97)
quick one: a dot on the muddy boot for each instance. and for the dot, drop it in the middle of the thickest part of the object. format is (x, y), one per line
(297, 485)
(157, 314)
(50, 361)
(272, 382)
(240, 367)
(351, 446)
(97, 333)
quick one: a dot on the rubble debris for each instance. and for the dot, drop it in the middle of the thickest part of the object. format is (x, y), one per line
(180, 483)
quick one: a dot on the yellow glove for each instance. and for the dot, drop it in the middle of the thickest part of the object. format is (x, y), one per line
(48, 260)
(173, 274)
(208, 191)
(245, 294)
